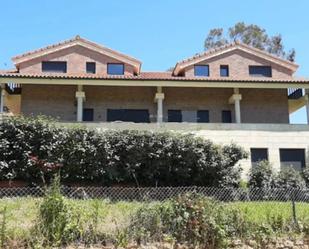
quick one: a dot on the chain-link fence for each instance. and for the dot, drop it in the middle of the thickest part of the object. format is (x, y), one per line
(164, 193)
(260, 206)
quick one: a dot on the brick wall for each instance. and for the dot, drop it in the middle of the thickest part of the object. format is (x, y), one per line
(257, 106)
(239, 62)
(76, 58)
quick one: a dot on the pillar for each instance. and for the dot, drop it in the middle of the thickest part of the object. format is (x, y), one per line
(80, 97)
(307, 107)
(2, 98)
(235, 99)
(159, 97)
(237, 111)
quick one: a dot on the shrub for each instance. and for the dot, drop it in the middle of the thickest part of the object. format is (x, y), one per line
(290, 178)
(24, 139)
(305, 175)
(262, 176)
(146, 224)
(189, 219)
(30, 148)
(57, 223)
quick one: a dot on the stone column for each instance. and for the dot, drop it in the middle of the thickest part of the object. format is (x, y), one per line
(2, 98)
(307, 107)
(159, 99)
(235, 99)
(237, 111)
(80, 97)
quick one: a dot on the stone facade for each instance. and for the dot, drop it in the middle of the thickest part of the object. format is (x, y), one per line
(257, 106)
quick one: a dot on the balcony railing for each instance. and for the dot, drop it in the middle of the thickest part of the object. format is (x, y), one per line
(13, 88)
(295, 93)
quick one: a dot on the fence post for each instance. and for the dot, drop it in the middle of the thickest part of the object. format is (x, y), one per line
(294, 208)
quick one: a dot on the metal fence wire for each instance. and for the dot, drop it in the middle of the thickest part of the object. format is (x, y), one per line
(164, 193)
(291, 203)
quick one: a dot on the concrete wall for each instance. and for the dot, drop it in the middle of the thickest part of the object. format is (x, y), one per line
(238, 62)
(76, 58)
(257, 106)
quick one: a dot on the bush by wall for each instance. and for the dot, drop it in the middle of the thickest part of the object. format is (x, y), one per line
(263, 176)
(34, 147)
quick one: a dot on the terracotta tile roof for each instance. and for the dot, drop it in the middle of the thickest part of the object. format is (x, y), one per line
(167, 76)
(77, 40)
(234, 45)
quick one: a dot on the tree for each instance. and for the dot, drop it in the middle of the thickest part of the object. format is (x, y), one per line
(252, 35)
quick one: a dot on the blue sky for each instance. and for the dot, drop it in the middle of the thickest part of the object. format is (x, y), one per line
(159, 33)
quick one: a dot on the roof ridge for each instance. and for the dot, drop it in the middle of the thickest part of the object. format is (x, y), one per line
(234, 44)
(77, 37)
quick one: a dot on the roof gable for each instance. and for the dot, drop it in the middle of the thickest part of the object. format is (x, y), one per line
(78, 41)
(210, 54)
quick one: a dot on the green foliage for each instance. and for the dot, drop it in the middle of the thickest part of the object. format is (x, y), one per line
(189, 219)
(24, 139)
(249, 34)
(3, 227)
(57, 223)
(290, 178)
(262, 176)
(147, 224)
(31, 148)
(305, 175)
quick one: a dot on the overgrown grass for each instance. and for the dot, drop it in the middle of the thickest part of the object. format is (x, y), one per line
(112, 217)
(259, 212)
(22, 212)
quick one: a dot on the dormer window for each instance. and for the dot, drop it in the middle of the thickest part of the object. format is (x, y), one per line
(260, 71)
(54, 66)
(224, 71)
(115, 68)
(201, 70)
(90, 67)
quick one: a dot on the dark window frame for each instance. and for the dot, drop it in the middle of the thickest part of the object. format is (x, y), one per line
(257, 71)
(114, 64)
(223, 118)
(282, 160)
(196, 71)
(91, 67)
(200, 118)
(84, 116)
(254, 162)
(224, 67)
(169, 115)
(46, 66)
(125, 113)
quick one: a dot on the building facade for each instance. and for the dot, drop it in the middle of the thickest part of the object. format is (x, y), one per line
(234, 93)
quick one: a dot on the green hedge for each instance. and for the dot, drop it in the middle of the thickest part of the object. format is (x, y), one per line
(32, 147)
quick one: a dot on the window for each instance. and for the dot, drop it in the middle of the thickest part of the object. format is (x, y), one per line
(128, 115)
(226, 116)
(88, 114)
(90, 67)
(224, 71)
(54, 66)
(260, 71)
(203, 116)
(115, 68)
(294, 158)
(174, 116)
(201, 70)
(258, 154)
